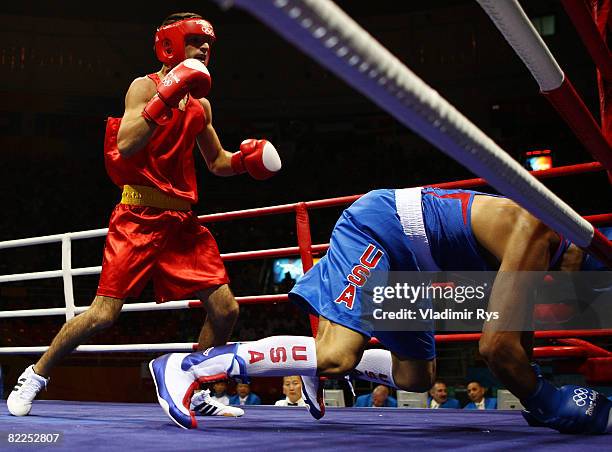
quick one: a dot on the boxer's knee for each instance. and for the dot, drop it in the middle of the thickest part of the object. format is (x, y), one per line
(422, 384)
(103, 312)
(421, 381)
(339, 349)
(228, 310)
(332, 361)
(221, 304)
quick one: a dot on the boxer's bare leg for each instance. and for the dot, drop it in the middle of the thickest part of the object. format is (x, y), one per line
(415, 375)
(339, 349)
(221, 313)
(101, 314)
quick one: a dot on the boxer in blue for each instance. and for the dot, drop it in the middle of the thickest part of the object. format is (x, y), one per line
(413, 229)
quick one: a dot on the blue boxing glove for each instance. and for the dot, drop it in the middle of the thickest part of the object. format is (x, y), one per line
(569, 409)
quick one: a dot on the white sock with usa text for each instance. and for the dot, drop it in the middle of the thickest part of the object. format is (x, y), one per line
(279, 356)
(376, 365)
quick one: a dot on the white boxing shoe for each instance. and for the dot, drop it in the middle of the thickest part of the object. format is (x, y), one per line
(174, 388)
(28, 386)
(204, 405)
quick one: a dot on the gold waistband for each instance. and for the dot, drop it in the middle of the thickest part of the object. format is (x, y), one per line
(140, 195)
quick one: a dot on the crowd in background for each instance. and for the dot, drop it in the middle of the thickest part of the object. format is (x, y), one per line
(474, 395)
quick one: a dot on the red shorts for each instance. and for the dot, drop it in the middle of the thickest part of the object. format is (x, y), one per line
(169, 246)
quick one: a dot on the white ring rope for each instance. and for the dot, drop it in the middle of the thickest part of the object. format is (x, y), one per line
(91, 233)
(513, 23)
(153, 348)
(127, 307)
(326, 33)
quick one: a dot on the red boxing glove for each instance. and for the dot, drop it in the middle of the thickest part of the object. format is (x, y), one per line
(189, 76)
(259, 158)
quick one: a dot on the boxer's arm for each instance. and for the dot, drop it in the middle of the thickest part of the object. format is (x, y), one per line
(135, 130)
(217, 159)
(258, 158)
(527, 252)
(522, 246)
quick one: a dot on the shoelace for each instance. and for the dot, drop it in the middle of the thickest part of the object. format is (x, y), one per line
(347, 378)
(28, 390)
(205, 398)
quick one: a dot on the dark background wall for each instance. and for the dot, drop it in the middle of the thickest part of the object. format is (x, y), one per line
(64, 70)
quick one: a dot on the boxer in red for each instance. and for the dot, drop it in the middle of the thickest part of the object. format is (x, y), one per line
(153, 233)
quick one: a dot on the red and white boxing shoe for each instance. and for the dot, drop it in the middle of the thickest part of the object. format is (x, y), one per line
(174, 387)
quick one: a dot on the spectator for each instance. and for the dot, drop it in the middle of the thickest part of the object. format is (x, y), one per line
(286, 283)
(378, 398)
(438, 397)
(292, 388)
(244, 396)
(219, 392)
(476, 393)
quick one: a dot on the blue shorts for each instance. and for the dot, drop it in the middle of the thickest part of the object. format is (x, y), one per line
(368, 233)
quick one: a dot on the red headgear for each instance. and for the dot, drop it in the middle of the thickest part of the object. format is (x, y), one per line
(170, 39)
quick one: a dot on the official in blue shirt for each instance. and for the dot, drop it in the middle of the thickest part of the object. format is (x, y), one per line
(378, 398)
(438, 397)
(476, 392)
(244, 396)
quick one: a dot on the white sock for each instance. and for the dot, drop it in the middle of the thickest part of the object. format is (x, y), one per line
(279, 356)
(376, 366)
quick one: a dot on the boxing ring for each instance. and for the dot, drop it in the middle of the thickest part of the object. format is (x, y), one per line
(92, 426)
(318, 28)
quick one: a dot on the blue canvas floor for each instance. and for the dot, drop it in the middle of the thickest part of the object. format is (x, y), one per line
(89, 426)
